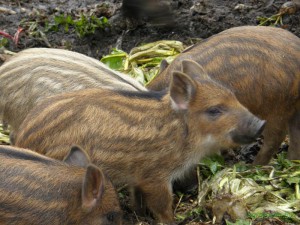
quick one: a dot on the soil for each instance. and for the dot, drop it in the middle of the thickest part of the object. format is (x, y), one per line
(183, 20)
(186, 21)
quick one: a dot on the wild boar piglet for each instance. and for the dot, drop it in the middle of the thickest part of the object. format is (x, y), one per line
(39, 190)
(261, 66)
(144, 139)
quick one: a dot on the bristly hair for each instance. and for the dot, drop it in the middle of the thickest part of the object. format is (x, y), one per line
(158, 95)
(25, 156)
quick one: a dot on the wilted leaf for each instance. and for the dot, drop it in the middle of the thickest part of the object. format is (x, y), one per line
(293, 180)
(143, 62)
(4, 136)
(214, 163)
(264, 189)
(116, 60)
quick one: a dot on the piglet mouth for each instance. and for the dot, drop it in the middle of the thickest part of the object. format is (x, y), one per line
(243, 139)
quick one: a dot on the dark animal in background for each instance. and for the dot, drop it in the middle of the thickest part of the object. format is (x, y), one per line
(261, 66)
(36, 73)
(158, 13)
(144, 139)
(38, 190)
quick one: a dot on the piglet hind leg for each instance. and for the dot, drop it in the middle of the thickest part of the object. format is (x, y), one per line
(294, 134)
(274, 134)
(158, 198)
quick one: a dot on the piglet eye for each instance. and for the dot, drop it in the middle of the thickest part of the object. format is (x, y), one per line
(214, 111)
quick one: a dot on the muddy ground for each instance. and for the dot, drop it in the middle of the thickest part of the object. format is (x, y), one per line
(188, 21)
(183, 20)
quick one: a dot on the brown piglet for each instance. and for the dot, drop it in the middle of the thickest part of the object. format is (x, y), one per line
(144, 139)
(36, 73)
(39, 190)
(261, 66)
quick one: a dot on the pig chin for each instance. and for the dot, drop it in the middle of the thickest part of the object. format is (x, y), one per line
(203, 147)
(207, 145)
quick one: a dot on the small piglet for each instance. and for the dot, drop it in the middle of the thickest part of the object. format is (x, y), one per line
(39, 190)
(261, 66)
(144, 139)
(36, 73)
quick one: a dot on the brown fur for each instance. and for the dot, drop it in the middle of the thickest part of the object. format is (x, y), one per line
(261, 65)
(38, 190)
(36, 73)
(146, 140)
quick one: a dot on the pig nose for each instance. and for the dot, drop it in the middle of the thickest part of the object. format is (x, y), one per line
(247, 133)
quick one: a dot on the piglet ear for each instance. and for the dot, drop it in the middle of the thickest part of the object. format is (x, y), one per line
(77, 157)
(182, 91)
(163, 65)
(92, 188)
(193, 69)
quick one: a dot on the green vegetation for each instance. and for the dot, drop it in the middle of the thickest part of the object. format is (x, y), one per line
(143, 62)
(3, 42)
(289, 7)
(249, 192)
(4, 135)
(270, 21)
(83, 26)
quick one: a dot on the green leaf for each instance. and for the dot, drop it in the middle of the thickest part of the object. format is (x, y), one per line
(242, 167)
(4, 136)
(3, 42)
(293, 180)
(214, 163)
(137, 73)
(104, 20)
(69, 20)
(285, 216)
(60, 19)
(282, 162)
(66, 27)
(116, 60)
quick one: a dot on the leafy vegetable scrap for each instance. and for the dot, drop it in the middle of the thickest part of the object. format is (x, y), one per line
(247, 192)
(4, 135)
(143, 62)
